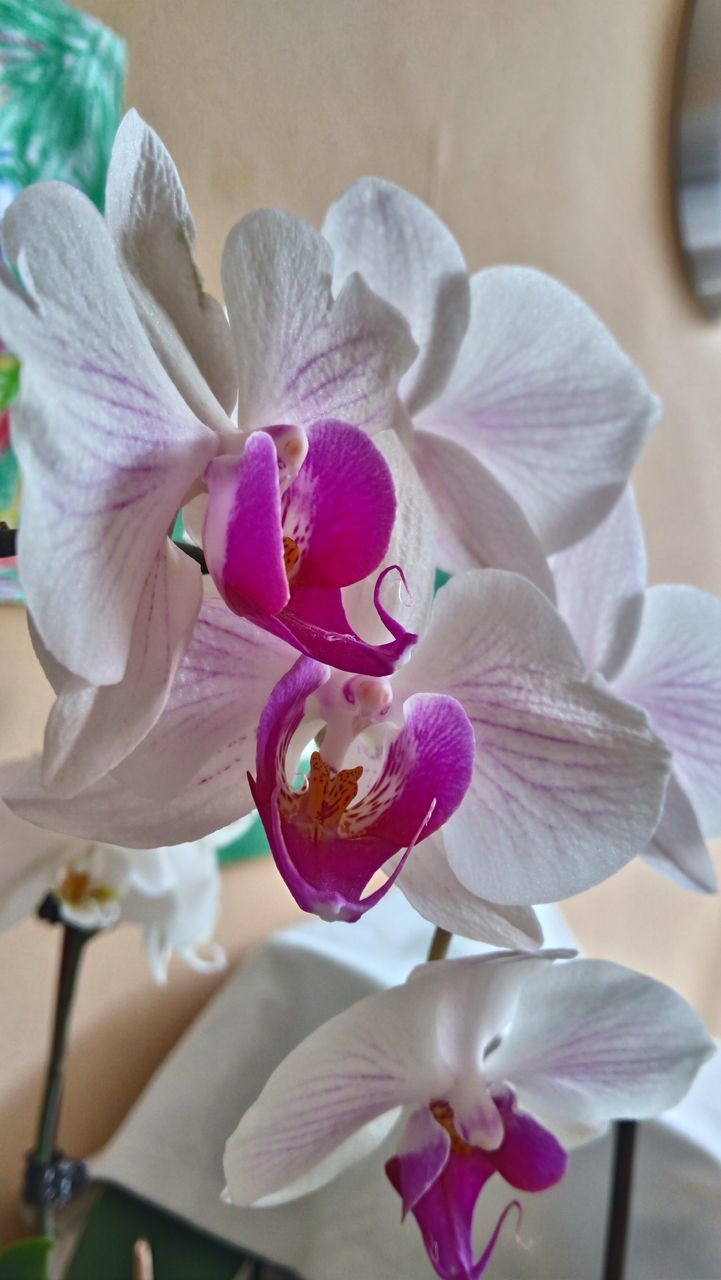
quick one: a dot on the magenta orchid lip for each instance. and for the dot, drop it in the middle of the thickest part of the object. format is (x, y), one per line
(281, 547)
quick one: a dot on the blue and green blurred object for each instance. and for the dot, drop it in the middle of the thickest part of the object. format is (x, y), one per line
(62, 76)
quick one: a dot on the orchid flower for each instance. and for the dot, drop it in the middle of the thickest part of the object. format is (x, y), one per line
(486, 770)
(172, 893)
(542, 783)
(131, 372)
(661, 650)
(527, 417)
(494, 1064)
(280, 553)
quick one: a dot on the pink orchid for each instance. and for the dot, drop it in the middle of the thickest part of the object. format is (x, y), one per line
(659, 648)
(328, 841)
(494, 1064)
(527, 416)
(281, 545)
(131, 374)
(543, 783)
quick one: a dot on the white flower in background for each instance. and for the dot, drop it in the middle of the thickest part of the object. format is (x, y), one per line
(172, 893)
(659, 649)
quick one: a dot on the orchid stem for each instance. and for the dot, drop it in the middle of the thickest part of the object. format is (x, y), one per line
(619, 1214)
(73, 943)
(8, 547)
(439, 944)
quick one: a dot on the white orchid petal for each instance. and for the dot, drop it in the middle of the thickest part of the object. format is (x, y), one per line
(404, 252)
(678, 849)
(107, 445)
(472, 1000)
(545, 397)
(480, 524)
(92, 728)
(360, 1144)
(204, 957)
(214, 703)
(366, 1062)
(108, 811)
(150, 221)
(438, 895)
(592, 1041)
(600, 584)
(674, 673)
(301, 356)
(30, 859)
(568, 781)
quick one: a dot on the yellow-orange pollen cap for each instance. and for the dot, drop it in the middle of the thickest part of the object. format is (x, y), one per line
(291, 557)
(77, 888)
(443, 1113)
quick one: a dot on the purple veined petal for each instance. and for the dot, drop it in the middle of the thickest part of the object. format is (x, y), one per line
(242, 533)
(568, 781)
(429, 762)
(407, 256)
(340, 509)
(304, 357)
(107, 445)
(413, 545)
(600, 584)
(678, 849)
(591, 1041)
(438, 895)
(149, 219)
(545, 398)
(481, 524)
(674, 673)
(213, 706)
(378, 1055)
(92, 728)
(112, 813)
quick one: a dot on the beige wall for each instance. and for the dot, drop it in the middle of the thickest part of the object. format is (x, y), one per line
(539, 130)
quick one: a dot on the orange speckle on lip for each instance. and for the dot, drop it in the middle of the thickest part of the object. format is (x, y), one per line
(291, 556)
(443, 1112)
(325, 798)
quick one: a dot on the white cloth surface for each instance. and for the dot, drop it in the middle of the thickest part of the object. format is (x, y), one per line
(169, 1149)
